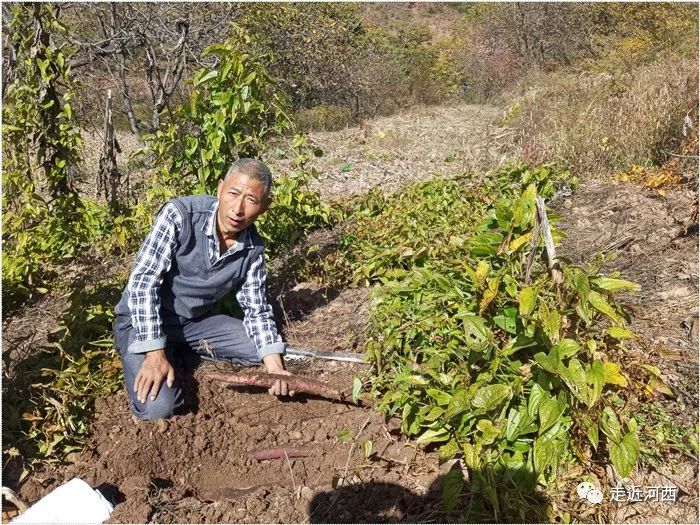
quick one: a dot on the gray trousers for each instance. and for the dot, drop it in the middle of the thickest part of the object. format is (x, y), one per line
(209, 337)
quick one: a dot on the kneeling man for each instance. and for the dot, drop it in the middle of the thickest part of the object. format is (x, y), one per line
(199, 249)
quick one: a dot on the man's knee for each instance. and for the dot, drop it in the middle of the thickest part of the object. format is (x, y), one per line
(162, 407)
(222, 337)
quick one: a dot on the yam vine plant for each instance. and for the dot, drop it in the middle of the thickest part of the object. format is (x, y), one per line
(49, 400)
(520, 379)
(44, 218)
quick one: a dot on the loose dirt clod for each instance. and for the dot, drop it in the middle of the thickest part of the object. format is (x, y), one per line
(295, 383)
(278, 453)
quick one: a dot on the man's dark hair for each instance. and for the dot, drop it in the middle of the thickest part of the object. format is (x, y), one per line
(254, 169)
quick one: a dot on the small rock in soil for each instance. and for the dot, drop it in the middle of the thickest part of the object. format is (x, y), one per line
(161, 425)
(308, 434)
(321, 435)
(73, 457)
(135, 484)
(307, 493)
(199, 443)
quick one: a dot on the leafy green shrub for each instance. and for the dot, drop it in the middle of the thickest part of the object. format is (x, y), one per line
(519, 378)
(389, 232)
(296, 209)
(307, 47)
(232, 110)
(46, 223)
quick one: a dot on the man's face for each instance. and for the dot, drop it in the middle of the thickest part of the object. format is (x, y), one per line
(242, 199)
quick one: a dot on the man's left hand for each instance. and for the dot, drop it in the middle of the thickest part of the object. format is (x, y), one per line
(274, 365)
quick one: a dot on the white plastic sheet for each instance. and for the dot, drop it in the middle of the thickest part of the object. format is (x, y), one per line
(72, 502)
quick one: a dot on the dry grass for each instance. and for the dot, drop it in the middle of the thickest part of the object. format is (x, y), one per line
(386, 152)
(605, 123)
(418, 144)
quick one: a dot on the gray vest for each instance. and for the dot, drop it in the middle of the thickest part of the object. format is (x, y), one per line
(193, 286)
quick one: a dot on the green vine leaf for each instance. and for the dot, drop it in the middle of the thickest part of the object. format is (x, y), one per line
(549, 412)
(489, 397)
(615, 285)
(592, 431)
(610, 425)
(624, 455)
(433, 436)
(599, 303)
(527, 300)
(356, 389)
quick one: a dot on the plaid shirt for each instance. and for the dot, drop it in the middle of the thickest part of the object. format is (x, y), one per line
(154, 260)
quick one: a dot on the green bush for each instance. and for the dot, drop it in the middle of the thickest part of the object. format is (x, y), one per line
(296, 209)
(307, 47)
(233, 109)
(519, 378)
(45, 222)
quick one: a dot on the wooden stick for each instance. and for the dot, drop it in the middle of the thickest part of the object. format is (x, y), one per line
(296, 383)
(557, 274)
(533, 249)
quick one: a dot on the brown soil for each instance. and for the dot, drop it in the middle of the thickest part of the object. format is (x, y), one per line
(190, 469)
(347, 332)
(196, 467)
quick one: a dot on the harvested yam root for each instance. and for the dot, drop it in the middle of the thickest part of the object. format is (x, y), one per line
(278, 453)
(296, 383)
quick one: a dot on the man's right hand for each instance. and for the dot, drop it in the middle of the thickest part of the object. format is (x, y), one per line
(154, 370)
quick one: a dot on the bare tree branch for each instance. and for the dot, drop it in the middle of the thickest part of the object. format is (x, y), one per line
(162, 87)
